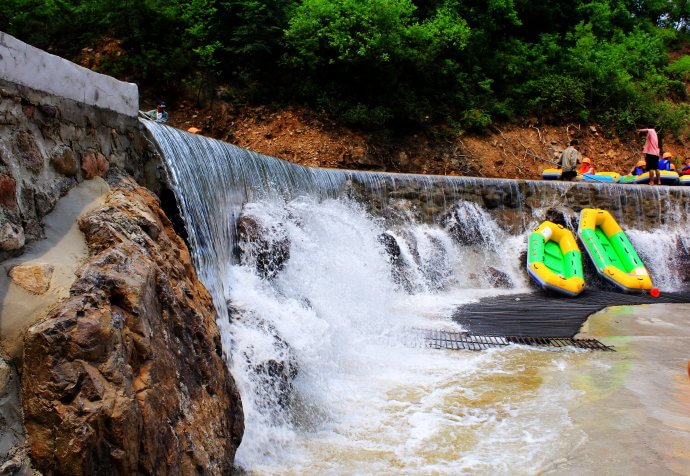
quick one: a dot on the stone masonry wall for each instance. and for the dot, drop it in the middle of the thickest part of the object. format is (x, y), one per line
(47, 146)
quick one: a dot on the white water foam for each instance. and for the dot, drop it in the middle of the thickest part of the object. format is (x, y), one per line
(658, 250)
(362, 402)
(340, 311)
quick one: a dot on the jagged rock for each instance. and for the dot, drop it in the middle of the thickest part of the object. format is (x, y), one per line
(390, 245)
(556, 216)
(498, 278)
(94, 164)
(46, 200)
(274, 376)
(29, 152)
(127, 375)
(63, 160)
(11, 237)
(35, 278)
(8, 191)
(683, 261)
(49, 111)
(267, 249)
(14, 459)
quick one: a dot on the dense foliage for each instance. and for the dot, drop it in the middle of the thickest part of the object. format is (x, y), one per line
(380, 63)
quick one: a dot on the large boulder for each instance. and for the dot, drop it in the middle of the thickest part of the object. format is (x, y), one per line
(127, 376)
(266, 247)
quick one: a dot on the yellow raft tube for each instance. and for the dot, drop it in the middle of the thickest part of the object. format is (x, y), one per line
(611, 251)
(554, 259)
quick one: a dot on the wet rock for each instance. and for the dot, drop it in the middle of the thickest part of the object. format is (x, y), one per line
(556, 216)
(45, 201)
(682, 262)
(11, 237)
(63, 161)
(266, 247)
(274, 372)
(399, 269)
(498, 278)
(390, 245)
(8, 191)
(94, 164)
(28, 151)
(127, 375)
(464, 224)
(49, 111)
(34, 278)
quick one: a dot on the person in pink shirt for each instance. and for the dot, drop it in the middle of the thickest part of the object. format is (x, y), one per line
(651, 154)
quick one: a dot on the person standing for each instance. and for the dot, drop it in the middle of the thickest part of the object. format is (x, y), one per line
(570, 157)
(651, 154)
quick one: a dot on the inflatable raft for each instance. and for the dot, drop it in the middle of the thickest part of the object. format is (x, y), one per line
(554, 260)
(684, 180)
(611, 251)
(643, 178)
(551, 174)
(667, 177)
(602, 177)
(605, 177)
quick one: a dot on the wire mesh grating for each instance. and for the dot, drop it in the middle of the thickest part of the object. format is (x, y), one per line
(452, 340)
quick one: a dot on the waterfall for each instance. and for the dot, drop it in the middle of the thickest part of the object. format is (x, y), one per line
(314, 318)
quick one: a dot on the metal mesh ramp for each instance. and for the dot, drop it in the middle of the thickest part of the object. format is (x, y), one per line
(545, 315)
(437, 339)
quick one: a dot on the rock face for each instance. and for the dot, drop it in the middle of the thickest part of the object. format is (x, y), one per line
(14, 459)
(35, 278)
(266, 248)
(127, 376)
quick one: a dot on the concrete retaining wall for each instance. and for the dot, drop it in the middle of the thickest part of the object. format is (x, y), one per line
(28, 66)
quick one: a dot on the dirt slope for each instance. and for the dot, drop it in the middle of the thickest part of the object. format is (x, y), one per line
(511, 150)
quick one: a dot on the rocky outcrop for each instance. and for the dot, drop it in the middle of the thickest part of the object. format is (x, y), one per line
(127, 376)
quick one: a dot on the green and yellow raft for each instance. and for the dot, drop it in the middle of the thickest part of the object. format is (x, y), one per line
(611, 251)
(554, 259)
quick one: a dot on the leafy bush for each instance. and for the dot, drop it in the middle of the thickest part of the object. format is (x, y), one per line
(559, 95)
(390, 63)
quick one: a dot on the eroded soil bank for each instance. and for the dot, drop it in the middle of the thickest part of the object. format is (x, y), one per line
(503, 151)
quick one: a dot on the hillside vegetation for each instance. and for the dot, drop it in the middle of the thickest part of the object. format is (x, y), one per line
(390, 64)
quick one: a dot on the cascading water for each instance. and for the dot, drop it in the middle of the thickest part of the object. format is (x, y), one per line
(319, 342)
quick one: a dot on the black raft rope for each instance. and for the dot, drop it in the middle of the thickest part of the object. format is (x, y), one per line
(538, 319)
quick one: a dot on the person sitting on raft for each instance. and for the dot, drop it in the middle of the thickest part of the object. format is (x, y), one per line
(586, 167)
(686, 168)
(665, 161)
(639, 168)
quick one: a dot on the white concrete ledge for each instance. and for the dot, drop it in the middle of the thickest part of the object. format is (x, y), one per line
(23, 64)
